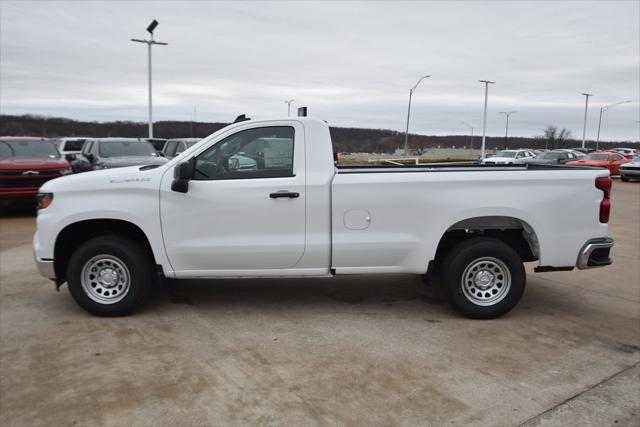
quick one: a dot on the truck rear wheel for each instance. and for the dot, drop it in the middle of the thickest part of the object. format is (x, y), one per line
(484, 278)
(109, 275)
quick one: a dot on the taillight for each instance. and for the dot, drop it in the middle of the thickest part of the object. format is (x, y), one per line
(604, 184)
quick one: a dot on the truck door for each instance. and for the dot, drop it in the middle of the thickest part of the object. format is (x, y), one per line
(245, 206)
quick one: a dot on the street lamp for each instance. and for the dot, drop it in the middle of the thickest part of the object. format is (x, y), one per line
(584, 126)
(288, 102)
(406, 134)
(602, 110)
(149, 43)
(471, 140)
(506, 132)
(484, 120)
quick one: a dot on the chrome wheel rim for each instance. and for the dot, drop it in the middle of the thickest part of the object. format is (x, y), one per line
(105, 279)
(486, 281)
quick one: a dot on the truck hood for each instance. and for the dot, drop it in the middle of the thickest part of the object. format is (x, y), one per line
(118, 162)
(32, 163)
(114, 180)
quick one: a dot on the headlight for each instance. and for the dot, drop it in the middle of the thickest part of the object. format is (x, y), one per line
(65, 171)
(44, 200)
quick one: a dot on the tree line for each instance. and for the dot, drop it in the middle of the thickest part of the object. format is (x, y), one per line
(344, 139)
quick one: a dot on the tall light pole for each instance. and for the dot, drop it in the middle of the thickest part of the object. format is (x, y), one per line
(149, 43)
(288, 102)
(506, 132)
(471, 140)
(406, 133)
(584, 126)
(484, 120)
(602, 110)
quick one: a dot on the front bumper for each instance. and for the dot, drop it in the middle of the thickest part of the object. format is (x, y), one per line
(630, 171)
(45, 267)
(595, 253)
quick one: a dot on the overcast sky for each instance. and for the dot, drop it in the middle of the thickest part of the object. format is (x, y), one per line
(351, 63)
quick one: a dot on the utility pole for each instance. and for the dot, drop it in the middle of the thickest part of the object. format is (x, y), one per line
(406, 133)
(484, 120)
(506, 132)
(149, 43)
(602, 110)
(288, 106)
(584, 126)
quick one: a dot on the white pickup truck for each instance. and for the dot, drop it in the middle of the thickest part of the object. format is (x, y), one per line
(266, 199)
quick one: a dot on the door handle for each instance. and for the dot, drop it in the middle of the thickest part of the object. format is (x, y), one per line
(284, 194)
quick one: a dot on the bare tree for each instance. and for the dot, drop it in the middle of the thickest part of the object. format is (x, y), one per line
(556, 138)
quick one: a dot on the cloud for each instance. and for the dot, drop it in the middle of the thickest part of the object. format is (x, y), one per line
(351, 63)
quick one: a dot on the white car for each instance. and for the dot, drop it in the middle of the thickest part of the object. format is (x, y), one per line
(71, 145)
(627, 152)
(630, 170)
(294, 213)
(509, 157)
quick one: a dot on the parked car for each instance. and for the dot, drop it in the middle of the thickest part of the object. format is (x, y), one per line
(105, 153)
(603, 159)
(70, 145)
(158, 143)
(25, 164)
(174, 147)
(70, 148)
(630, 170)
(629, 153)
(508, 157)
(109, 233)
(552, 158)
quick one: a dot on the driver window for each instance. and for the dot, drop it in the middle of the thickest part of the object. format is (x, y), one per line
(265, 152)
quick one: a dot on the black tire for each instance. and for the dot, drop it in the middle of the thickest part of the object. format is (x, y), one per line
(466, 298)
(624, 178)
(135, 261)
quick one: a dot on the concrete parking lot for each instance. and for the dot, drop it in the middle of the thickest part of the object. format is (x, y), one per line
(343, 351)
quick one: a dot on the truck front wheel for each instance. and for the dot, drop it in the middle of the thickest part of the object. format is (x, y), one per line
(483, 277)
(109, 275)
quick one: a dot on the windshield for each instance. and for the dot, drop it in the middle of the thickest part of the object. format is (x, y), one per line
(596, 157)
(506, 154)
(20, 149)
(549, 155)
(125, 148)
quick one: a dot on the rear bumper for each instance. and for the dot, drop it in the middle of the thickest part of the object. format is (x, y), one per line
(595, 253)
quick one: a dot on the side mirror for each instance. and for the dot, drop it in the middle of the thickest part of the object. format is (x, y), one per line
(69, 157)
(160, 153)
(90, 157)
(182, 174)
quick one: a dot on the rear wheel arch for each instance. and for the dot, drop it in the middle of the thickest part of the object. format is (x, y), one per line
(75, 234)
(513, 231)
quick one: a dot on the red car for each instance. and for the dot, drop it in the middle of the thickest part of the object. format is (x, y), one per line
(603, 159)
(25, 164)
